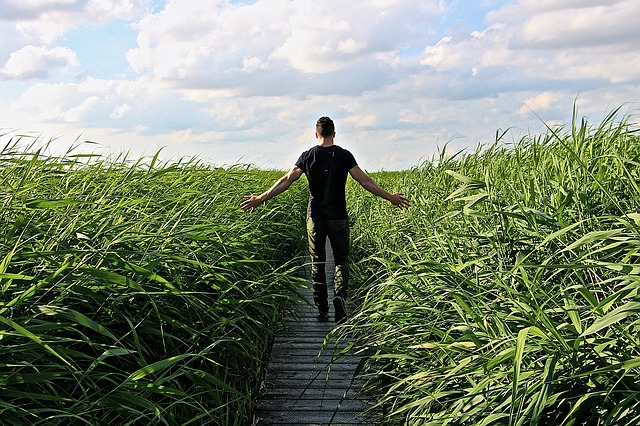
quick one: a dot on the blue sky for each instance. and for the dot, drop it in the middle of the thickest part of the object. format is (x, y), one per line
(244, 81)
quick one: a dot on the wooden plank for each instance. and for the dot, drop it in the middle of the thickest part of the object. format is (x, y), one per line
(286, 393)
(322, 361)
(291, 347)
(312, 357)
(317, 378)
(345, 367)
(316, 418)
(319, 404)
(304, 384)
(315, 338)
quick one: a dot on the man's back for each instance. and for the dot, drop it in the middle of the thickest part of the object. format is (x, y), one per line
(327, 168)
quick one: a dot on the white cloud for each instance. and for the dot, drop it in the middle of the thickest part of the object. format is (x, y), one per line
(31, 9)
(441, 55)
(357, 120)
(111, 9)
(253, 64)
(78, 112)
(214, 38)
(530, 42)
(44, 21)
(38, 62)
(541, 101)
(120, 110)
(90, 101)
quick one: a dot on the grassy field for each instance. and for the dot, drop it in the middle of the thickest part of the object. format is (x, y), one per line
(133, 292)
(137, 292)
(508, 293)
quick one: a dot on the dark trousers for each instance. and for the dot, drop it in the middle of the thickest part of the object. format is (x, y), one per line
(338, 233)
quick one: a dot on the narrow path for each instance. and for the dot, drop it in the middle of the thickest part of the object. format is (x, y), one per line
(309, 381)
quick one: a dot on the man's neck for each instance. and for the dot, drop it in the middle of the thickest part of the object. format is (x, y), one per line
(325, 141)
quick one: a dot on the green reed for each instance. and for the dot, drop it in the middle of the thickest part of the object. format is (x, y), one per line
(137, 292)
(508, 293)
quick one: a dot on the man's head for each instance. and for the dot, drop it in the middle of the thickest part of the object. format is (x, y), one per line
(325, 127)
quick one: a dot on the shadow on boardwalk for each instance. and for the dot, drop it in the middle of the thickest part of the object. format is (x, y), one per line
(309, 382)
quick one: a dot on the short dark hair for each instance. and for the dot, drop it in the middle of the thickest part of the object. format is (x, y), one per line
(325, 126)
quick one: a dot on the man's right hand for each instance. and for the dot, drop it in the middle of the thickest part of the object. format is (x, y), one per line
(250, 203)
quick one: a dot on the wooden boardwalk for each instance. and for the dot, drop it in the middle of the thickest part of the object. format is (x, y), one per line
(309, 381)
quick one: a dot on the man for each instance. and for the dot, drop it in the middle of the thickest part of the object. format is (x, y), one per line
(326, 166)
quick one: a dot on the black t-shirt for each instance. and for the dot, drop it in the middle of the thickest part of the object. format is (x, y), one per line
(327, 169)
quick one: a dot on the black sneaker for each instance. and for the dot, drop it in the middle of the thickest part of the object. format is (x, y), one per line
(338, 304)
(323, 313)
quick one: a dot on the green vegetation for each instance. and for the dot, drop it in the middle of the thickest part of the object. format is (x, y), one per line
(137, 293)
(508, 293)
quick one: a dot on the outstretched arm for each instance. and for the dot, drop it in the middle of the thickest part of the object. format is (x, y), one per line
(252, 201)
(367, 182)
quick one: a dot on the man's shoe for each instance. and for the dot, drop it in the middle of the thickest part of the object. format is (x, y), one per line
(323, 313)
(341, 314)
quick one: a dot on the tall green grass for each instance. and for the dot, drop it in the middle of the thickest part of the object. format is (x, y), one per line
(508, 293)
(137, 292)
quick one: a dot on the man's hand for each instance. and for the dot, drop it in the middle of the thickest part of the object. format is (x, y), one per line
(250, 202)
(398, 199)
(367, 182)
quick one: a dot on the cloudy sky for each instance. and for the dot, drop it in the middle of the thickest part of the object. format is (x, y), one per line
(243, 82)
